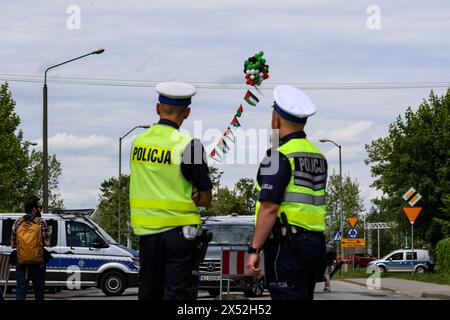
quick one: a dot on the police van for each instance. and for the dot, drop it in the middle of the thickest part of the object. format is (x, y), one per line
(84, 255)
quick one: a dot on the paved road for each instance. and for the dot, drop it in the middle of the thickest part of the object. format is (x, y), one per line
(340, 291)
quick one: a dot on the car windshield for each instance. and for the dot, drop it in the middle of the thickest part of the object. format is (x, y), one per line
(103, 233)
(232, 234)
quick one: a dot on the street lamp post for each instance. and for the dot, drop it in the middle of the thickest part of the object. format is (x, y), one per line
(340, 190)
(45, 128)
(219, 175)
(120, 191)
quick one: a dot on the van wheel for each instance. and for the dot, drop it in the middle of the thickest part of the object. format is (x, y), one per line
(257, 289)
(420, 269)
(382, 269)
(113, 283)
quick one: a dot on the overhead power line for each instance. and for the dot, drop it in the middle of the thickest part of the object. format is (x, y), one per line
(228, 85)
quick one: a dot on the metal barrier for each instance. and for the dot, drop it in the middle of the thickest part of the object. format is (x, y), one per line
(4, 271)
(234, 262)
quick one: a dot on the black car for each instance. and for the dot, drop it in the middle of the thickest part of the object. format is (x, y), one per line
(234, 232)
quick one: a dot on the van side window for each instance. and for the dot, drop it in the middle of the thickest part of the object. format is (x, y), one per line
(408, 255)
(79, 234)
(52, 226)
(397, 256)
(7, 231)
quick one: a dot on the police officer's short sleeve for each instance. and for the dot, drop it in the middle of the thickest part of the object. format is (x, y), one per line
(194, 166)
(273, 178)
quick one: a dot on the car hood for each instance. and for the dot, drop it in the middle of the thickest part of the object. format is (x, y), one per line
(214, 250)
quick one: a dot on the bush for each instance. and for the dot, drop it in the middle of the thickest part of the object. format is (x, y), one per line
(443, 255)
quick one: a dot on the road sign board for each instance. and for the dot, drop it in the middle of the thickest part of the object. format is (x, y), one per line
(353, 243)
(353, 221)
(412, 196)
(337, 236)
(412, 213)
(380, 225)
(352, 233)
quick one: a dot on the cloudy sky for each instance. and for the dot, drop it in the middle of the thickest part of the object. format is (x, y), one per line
(321, 46)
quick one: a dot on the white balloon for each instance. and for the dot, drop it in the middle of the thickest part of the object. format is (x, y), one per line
(247, 72)
(252, 77)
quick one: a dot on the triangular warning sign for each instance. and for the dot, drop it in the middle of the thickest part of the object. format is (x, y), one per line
(353, 221)
(412, 213)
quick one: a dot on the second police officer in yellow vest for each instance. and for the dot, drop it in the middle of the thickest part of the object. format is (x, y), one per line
(168, 180)
(290, 212)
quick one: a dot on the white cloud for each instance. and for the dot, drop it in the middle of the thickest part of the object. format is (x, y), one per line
(70, 142)
(350, 134)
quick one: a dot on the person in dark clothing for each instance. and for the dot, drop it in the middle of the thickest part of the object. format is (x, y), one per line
(33, 272)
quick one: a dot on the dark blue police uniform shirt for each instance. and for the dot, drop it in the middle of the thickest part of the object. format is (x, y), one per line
(273, 185)
(193, 166)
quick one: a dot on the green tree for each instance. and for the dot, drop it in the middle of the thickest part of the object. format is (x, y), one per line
(107, 215)
(247, 195)
(351, 199)
(225, 202)
(13, 156)
(416, 153)
(241, 199)
(20, 170)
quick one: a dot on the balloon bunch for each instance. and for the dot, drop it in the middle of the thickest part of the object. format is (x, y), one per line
(256, 70)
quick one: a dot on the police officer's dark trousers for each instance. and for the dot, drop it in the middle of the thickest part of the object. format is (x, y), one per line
(167, 262)
(291, 269)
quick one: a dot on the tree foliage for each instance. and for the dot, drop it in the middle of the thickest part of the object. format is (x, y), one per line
(351, 199)
(107, 213)
(20, 169)
(416, 153)
(241, 199)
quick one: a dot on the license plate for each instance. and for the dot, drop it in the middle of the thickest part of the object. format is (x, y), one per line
(209, 278)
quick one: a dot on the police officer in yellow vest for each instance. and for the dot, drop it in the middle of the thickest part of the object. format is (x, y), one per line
(290, 212)
(169, 179)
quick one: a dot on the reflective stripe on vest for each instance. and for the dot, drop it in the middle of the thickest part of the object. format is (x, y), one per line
(160, 196)
(304, 197)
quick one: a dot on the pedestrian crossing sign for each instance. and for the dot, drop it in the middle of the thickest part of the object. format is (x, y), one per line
(337, 236)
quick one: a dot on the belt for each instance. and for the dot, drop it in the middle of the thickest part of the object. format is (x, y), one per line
(294, 230)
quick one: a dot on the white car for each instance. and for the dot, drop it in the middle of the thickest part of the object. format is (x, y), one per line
(400, 261)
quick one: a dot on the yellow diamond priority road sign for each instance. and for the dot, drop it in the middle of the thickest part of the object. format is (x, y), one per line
(412, 196)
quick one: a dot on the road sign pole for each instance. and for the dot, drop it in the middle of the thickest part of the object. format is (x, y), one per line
(378, 242)
(412, 248)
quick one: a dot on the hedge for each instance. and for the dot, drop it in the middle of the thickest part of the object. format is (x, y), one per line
(443, 255)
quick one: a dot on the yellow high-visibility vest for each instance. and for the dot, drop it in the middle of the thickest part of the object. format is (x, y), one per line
(160, 196)
(304, 197)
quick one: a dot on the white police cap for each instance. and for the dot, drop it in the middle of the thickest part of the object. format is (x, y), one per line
(175, 93)
(293, 104)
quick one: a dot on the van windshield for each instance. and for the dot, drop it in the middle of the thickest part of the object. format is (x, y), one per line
(235, 234)
(103, 233)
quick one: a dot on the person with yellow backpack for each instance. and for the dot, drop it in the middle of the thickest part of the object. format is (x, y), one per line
(29, 236)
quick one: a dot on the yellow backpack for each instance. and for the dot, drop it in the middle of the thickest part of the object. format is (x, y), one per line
(30, 246)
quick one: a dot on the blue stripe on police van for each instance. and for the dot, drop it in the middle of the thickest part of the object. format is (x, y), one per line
(86, 263)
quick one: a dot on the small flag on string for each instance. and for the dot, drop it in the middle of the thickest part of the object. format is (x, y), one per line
(223, 143)
(214, 154)
(229, 134)
(235, 122)
(239, 111)
(250, 98)
(223, 146)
